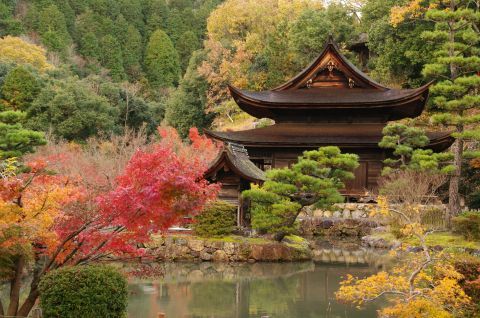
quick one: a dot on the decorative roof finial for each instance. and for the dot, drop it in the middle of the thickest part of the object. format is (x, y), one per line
(330, 39)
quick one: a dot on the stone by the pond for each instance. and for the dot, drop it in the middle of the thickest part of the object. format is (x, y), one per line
(229, 248)
(220, 256)
(205, 256)
(196, 245)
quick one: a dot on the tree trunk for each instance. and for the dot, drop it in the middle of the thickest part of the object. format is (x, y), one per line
(453, 190)
(2, 312)
(28, 303)
(33, 294)
(15, 285)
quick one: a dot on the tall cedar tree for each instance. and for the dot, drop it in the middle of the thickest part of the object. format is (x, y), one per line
(161, 61)
(186, 105)
(53, 29)
(315, 180)
(456, 94)
(112, 57)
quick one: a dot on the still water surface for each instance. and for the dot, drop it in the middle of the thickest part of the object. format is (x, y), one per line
(276, 290)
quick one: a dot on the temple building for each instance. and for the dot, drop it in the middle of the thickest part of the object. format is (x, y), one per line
(330, 102)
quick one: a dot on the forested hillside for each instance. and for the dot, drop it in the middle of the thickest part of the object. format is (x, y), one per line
(83, 68)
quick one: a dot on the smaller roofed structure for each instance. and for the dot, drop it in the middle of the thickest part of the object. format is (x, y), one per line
(233, 169)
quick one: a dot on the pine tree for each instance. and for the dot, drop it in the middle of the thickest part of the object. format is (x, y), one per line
(315, 179)
(456, 94)
(161, 61)
(112, 57)
(408, 145)
(15, 140)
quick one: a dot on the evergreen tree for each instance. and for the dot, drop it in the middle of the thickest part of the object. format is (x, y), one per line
(19, 89)
(186, 44)
(186, 106)
(157, 16)
(456, 95)
(112, 57)
(408, 145)
(161, 61)
(132, 52)
(71, 110)
(89, 46)
(315, 179)
(8, 24)
(15, 140)
(53, 29)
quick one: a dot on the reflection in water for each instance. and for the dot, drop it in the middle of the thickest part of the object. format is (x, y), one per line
(277, 290)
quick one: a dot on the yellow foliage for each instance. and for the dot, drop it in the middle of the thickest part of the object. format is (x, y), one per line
(400, 13)
(17, 50)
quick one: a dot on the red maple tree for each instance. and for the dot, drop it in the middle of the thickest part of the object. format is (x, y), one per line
(94, 215)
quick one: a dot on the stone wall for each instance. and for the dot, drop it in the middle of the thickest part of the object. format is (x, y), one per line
(191, 248)
(354, 211)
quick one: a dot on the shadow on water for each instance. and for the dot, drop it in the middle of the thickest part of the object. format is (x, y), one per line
(276, 290)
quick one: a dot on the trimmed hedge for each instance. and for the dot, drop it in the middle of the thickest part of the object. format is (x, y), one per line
(468, 225)
(216, 219)
(84, 291)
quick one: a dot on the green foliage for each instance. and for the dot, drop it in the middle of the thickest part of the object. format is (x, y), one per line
(468, 225)
(53, 29)
(15, 140)
(315, 179)
(19, 88)
(311, 29)
(112, 57)
(185, 45)
(186, 105)
(217, 219)
(83, 291)
(456, 99)
(397, 53)
(71, 110)
(161, 61)
(406, 143)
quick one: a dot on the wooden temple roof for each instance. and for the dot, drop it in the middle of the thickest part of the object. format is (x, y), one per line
(308, 135)
(331, 87)
(234, 157)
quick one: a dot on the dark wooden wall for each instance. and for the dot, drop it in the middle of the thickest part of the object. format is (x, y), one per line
(366, 175)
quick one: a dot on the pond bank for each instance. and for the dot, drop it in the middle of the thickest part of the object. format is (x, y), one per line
(228, 249)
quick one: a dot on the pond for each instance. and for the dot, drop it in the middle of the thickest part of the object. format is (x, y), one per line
(275, 290)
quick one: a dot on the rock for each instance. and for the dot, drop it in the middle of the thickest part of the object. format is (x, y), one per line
(326, 224)
(337, 214)
(347, 214)
(357, 214)
(181, 241)
(256, 252)
(220, 256)
(327, 214)
(196, 245)
(229, 248)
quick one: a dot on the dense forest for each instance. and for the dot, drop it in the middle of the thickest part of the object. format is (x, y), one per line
(76, 69)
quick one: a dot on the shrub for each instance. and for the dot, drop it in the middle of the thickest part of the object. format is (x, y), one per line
(469, 267)
(83, 291)
(216, 219)
(468, 224)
